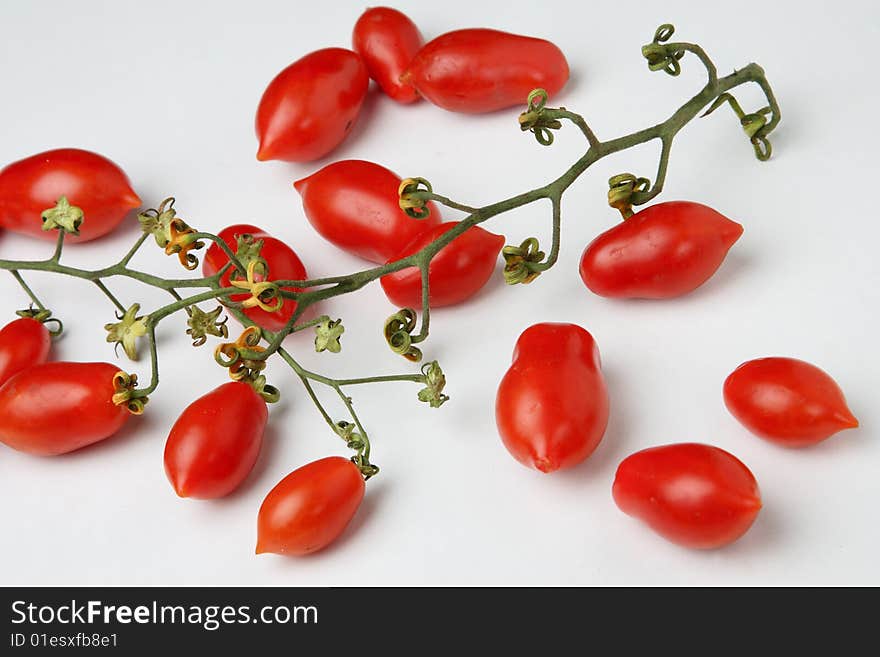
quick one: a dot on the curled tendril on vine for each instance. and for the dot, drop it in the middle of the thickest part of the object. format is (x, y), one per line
(171, 232)
(232, 355)
(435, 382)
(264, 294)
(44, 316)
(520, 262)
(414, 194)
(535, 119)
(662, 56)
(621, 189)
(398, 334)
(125, 393)
(754, 124)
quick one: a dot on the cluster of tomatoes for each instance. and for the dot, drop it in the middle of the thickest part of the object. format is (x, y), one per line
(552, 408)
(552, 405)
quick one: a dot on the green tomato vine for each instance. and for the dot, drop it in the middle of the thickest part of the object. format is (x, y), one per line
(246, 357)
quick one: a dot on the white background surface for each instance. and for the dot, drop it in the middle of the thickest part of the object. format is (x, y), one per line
(169, 90)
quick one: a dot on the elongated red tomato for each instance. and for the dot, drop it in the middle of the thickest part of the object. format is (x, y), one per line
(89, 181)
(694, 495)
(387, 40)
(481, 70)
(355, 205)
(216, 441)
(58, 407)
(310, 107)
(456, 273)
(663, 251)
(310, 507)
(24, 342)
(283, 263)
(552, 404)
(787, 401)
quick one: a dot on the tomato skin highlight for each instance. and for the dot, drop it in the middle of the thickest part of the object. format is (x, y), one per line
(215, 442)
(694, 495)
(458, 271)
(310, 507)
(88, 180)
(387, 40)
(552, 404)
(58, 407)
(24, 342)
(354, 204)
(480, 70)
(663, 251)
(787, 401)
(308, 109)
(283, 263)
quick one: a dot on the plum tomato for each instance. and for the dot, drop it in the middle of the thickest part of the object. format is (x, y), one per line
(552, 404)
(787, 401)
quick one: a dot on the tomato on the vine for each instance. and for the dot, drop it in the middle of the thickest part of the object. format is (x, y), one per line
(787, 401)
(663, 251)
(310, 507)
(24, 342)
(694, 495)
(283, 264)
(354, 204)
(388, 40)
(552, 404)
(215, 442)
(309, 108)
(481, 70)
(59, 407)
(88, 180)
(458, 271)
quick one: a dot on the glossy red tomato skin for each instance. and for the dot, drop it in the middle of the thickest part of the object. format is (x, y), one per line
(310, 507)
(456, 273)
(88, 180)
(663, 251)
(481, 70)
(354, 204)
(552, 404)
(283, 263)
(59, 407)
(310, 107)
(24, 342)
(387, 40)
(215, 442)
(694, 495)
(787, 401)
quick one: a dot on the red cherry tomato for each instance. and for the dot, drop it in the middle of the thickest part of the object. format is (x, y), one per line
(480, 70)
(216, 441)
(58, 407)
(456, 273)
(552, 404)
(23, 343)
(663, 251)
(310, 507)
(354, 204)
(89, 181)
(310, 107)
(283, 263)
(694, 495)
(388, 40)
(787, 401)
